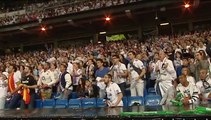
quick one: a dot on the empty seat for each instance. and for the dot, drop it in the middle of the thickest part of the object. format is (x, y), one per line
(74, 103)
(101, 102)
(135, 100)
(48, 103)
(88, 102)
(152, 100)
(61, 103)
(38, 103)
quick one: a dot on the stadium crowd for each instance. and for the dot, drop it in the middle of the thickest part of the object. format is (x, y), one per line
(176, 64)
(40, 11)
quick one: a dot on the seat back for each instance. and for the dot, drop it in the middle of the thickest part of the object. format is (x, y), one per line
(152, 100)
(89, 102)
(74, 103)
(48, 103)
(61, 103)
(38, 103)
(101, 102)
(135, 100)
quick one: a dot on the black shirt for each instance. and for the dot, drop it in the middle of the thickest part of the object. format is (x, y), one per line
(29, 81)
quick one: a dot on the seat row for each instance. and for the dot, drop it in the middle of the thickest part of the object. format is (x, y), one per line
(149, 100)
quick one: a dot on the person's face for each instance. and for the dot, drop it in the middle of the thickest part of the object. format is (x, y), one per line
(52, 66)
(185, 71)
(203, 74)
(115, 60)
(46, 66)
(106, 79)
(62, 68)
(131, 56)
(39, 67)
(185, 62)
(10, 69)
(26, 70)
(89, 62)
(182, 80)
(198, 56)
(161, 55)
(99, 64)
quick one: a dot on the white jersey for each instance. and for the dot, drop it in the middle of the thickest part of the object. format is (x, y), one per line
(165, 75)
(118, 69)
(137, 63)
(204, 87)
(190, 91)
(191, 80)
(3, 88)
(112, 91)
(47, 77)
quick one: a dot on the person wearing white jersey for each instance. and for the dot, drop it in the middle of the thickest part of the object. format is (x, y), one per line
(204, 85)
(165, 74)
(3, 89)
(136, 71)
(45, 82)
(113, 92)
(188, 91)
(119, 73)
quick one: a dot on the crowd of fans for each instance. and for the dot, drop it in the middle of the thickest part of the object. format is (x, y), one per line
(39, 11)
(106, 70)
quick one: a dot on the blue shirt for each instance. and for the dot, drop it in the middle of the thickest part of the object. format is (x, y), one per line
(101, 73)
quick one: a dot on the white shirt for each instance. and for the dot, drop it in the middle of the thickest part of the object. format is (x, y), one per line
(204, 91)
(112, 91)
(17, 77)
(137, 63)
(189, 91)
(47, 77)
(3, 88)
(191, 80)
(70, 68)
(168, 73)
(77, 76)
(119, 69)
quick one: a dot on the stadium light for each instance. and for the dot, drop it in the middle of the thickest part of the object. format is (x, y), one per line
(163, 24)
(187, 5)
(107, 18)
(43, 28)
(101, 33)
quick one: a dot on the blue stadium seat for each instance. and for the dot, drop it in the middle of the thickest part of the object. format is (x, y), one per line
(89, 102)
(74, 103)
(127, 92)
(152, 100)
(38, 103)
(101, 102)
(74, 95)
(48, 103)
(151, 91)
(124, 100)
(135, 100)
(61, 103)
